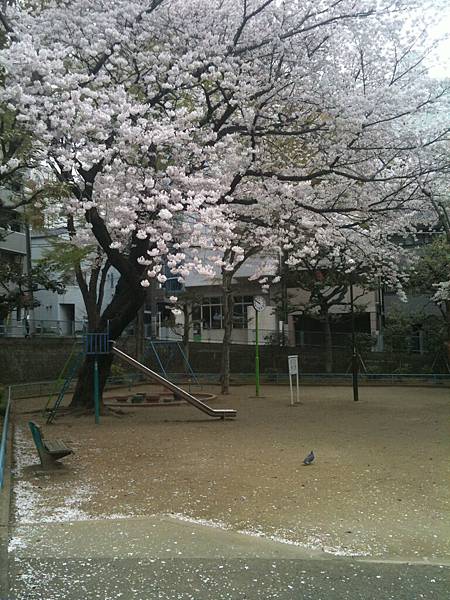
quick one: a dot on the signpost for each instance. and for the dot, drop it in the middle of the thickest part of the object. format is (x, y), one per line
(259, 304)
(293, 370)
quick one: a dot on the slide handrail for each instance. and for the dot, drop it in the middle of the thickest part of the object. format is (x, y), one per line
(221, 413)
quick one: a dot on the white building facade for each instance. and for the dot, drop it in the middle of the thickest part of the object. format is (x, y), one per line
(62, 314)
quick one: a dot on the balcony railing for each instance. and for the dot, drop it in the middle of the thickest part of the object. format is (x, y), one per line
(43, 328)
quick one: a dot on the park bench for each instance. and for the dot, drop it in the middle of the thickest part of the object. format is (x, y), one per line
(49, 451)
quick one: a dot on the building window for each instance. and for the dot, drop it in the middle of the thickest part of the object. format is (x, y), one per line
(240, 312)
(211, 312)
(172, 284)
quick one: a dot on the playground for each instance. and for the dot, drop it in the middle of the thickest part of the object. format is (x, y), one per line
(377, 489)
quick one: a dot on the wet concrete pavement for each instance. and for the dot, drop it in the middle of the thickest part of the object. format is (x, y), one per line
(165, 558)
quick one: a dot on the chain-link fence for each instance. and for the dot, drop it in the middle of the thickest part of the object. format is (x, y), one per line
(316, 357)
(44, 358)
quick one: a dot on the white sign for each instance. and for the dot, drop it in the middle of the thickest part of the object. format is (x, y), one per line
(293, 364)
(293, 370)
(259, 303)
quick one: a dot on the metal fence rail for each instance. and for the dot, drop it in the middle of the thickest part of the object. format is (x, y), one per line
(4, 438)
(43, 388)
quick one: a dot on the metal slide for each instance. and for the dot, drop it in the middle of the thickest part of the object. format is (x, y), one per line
(221, 413)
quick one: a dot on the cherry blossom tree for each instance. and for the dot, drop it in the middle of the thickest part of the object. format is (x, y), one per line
(234, 257)
(164, 119)
(432, 272)
(326, 274)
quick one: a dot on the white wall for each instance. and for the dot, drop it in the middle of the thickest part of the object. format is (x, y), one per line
(50, 308)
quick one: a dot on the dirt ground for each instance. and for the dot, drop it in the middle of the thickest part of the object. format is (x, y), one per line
(378, 488)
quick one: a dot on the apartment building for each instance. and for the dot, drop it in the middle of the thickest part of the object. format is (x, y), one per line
(13, 252)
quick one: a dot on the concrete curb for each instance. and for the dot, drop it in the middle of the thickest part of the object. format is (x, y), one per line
(5, 505)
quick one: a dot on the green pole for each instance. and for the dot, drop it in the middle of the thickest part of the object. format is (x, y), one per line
(257, 356)
(96, 392)
(354, 352)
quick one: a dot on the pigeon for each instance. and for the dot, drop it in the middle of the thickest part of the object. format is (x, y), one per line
(309, 459)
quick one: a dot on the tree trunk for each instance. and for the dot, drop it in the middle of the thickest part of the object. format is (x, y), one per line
(123, 308)
(186, 329)
(139, 334)
(284, 298)
(83, 396)
(152, 301)
(228, 327)
(328, 343)
(447, 308)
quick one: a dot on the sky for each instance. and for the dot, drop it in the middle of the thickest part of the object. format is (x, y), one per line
(442, 69)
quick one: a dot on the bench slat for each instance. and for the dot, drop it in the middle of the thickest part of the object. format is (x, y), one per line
(56, 446)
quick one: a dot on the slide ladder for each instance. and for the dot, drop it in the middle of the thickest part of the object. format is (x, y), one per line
(221, 413)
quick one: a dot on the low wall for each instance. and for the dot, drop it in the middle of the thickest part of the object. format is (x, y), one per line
(24, 360)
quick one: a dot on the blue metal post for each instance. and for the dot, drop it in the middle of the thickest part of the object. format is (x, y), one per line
(187, 363)
(158, 359)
